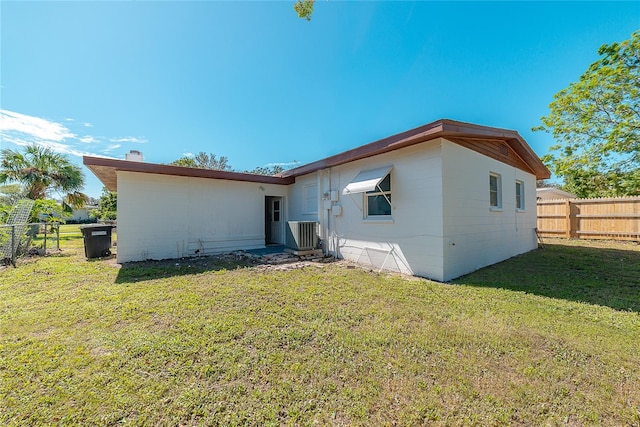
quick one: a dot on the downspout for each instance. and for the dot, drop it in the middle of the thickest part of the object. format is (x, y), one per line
(515, 211)
(327, 212)
(321, 212)
(334, 232)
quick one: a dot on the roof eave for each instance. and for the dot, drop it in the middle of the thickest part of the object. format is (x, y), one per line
(106, 170)
(390, 143)
(439, 129)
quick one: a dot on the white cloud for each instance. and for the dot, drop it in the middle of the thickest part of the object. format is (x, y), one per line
(22, 130)
(88, 139)
(64, 149)
(284, 164)
(54, 146)
(130, 139)
(33, 126)
(111, 148)
(187, 154)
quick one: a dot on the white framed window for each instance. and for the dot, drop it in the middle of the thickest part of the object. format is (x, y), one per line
(495, 190)
(520, 195)
(378, 200)
(310, 199)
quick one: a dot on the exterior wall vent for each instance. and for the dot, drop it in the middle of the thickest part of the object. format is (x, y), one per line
(302, 235)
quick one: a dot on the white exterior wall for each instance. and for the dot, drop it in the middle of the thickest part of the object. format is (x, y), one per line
(299, 209)
(409, 243)
(475, 235)
(81, 214)
(441, 227)
(161, 216)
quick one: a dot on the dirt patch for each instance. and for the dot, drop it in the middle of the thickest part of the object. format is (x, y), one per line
(280, 261)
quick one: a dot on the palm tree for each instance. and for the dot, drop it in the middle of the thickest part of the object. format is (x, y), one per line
(41, 170)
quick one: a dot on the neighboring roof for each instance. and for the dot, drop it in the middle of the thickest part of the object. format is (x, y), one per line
(553, 193)
(504, 145)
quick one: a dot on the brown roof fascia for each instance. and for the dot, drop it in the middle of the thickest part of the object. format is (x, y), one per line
(442, 128)
(110, 166)
(105, 169)
(517, 143)
(394, 142)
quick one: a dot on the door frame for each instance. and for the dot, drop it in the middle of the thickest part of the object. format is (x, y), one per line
(268, 220)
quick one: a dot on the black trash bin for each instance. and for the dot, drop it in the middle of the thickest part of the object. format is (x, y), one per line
(97, 240)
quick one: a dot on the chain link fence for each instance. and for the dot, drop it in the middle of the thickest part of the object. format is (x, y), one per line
(16, 239)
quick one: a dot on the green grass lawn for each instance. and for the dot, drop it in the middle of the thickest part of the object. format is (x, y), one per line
(548, 338)
(70, 238)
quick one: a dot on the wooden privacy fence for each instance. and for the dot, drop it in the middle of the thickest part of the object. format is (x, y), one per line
(607, 218)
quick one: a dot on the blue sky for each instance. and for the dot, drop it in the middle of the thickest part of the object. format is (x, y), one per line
(251, 81)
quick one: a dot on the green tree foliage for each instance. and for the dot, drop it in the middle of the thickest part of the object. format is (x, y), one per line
(210, 161)
(107, 206)
(10, 194)
(266, 170)
(589, 183)
(203, 160)
(186, 162)
(4, 213)
(47, 210)
(596, 122)
(40, 171)
(304, 8)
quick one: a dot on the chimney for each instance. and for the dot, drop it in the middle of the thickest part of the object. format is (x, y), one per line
(134, 156)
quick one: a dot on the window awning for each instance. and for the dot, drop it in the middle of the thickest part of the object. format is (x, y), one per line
(367, 180)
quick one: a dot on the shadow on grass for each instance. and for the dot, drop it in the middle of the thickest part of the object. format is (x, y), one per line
(133, 272)
(575, 272)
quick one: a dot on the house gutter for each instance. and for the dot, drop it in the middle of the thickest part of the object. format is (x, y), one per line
(444, 128)
(106, 170)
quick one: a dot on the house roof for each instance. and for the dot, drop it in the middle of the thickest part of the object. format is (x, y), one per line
(105, 169)
(504, 145)
(554, 193)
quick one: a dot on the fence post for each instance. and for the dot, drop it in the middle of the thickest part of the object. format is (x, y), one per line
(45, 237)
(567, 213)
(58, 237)
(13, 245)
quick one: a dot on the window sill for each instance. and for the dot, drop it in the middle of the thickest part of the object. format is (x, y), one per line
(378, 221)
(521, 210)
(496, 209)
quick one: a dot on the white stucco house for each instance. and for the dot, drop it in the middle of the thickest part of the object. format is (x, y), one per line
(437, 201)
(82, 214)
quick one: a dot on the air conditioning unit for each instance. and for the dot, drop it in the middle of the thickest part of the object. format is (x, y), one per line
(302, 235)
